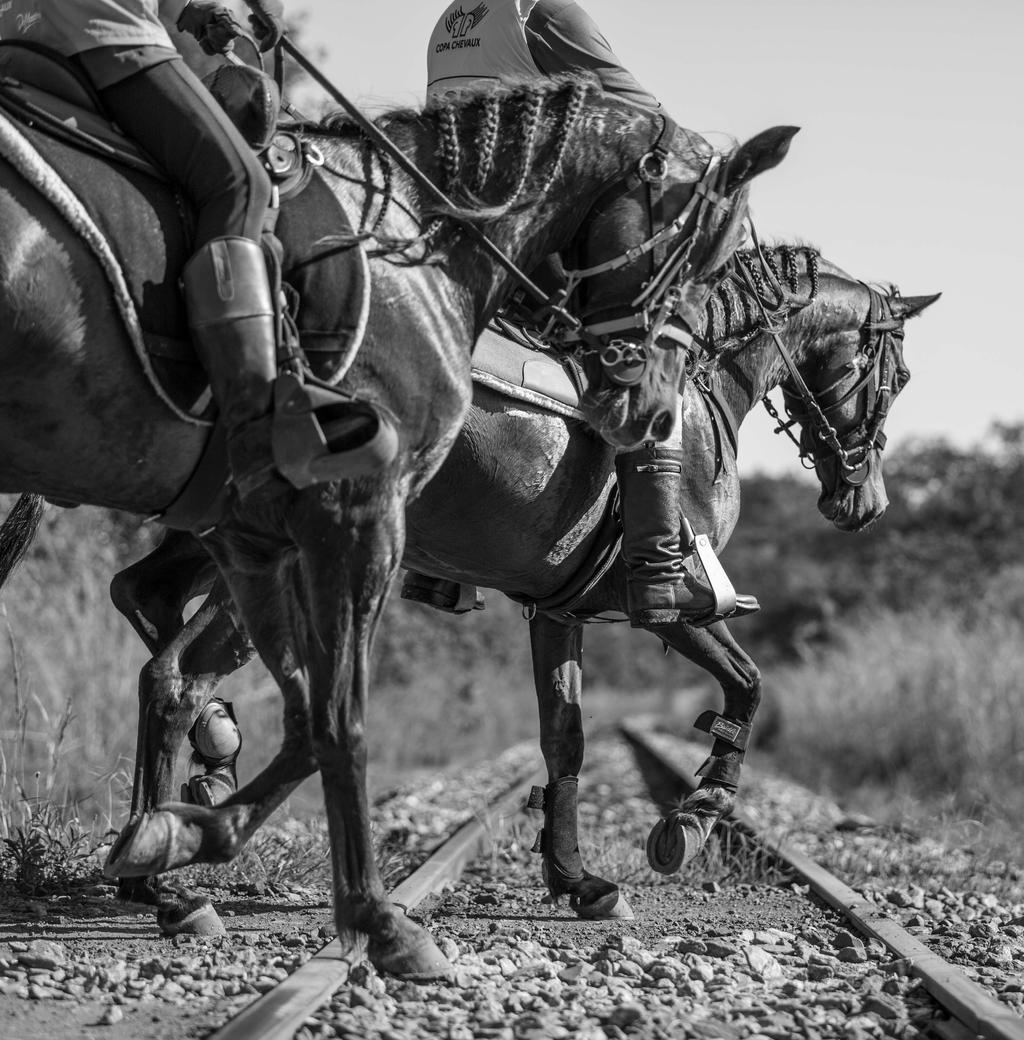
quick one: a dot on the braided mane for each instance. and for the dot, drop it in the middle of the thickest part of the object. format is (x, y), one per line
(480, 137)
(732, 313)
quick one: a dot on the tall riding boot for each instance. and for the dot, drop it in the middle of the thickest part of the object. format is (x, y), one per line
(662, 584)
(231, 315)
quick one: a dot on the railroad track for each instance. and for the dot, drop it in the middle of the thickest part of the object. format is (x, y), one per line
(976, 1014)
(279, 1014)
(290, 1010)
(723, 951)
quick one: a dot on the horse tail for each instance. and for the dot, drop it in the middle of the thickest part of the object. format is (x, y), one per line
(17, 533)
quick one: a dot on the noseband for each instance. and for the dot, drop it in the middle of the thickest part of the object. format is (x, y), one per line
(625, 360)
(875, 370)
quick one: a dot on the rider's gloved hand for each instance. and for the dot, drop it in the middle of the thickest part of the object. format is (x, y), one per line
(211, 23)
(267, 21)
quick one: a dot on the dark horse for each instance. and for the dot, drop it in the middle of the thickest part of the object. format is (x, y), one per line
(309, 572)
(519, 506)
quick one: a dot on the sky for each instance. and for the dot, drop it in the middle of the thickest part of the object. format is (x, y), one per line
(907, 168)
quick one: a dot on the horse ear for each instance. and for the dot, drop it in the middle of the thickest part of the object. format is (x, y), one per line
(762, 152)
(910, 306)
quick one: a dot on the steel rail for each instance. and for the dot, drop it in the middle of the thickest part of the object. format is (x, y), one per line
(279, 1013)
(963, 998)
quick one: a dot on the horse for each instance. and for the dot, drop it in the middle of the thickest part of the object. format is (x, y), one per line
(520, 505)
(308, 571)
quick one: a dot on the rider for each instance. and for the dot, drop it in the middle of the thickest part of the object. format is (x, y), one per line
(508, 41)
(152, 95)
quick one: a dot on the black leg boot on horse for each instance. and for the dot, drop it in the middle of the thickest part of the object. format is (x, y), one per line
(663, 585)
(590, 897)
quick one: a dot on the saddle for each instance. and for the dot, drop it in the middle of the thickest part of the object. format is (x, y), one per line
(511, 362)
(60, 113)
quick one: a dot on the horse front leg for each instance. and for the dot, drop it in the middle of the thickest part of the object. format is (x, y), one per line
(557, 651)
(348, 571)
(677, 838)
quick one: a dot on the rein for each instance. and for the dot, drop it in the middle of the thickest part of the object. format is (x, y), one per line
(660, 301)
(653, 311)
(878, 367)
(877, 371)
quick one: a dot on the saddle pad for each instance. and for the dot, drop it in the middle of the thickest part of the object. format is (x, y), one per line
(333, 284)
(508, 367)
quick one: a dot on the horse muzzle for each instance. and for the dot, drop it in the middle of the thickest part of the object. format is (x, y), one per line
(855, 506)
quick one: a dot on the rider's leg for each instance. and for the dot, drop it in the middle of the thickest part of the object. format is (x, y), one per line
(660, 586)
(228, 292)
(662, 572)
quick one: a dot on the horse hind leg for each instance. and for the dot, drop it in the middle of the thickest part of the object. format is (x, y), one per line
(176, 834)
(557, 651)
(152, 592)
(173, 688)
(679, 836)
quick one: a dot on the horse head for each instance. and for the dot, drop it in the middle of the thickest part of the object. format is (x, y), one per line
(849, 386)
(650, 252)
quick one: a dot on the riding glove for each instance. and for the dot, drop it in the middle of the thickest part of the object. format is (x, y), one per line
(211, 23)
(267, 21)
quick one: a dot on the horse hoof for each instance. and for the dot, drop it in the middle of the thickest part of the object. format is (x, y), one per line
(673, 842)
(137, 890)
(192, 915)
(409, 954)
(610, 907)
(145, 847)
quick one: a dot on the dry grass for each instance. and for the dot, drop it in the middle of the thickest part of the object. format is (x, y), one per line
(917, 715)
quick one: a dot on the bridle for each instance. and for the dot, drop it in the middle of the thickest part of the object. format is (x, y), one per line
(877, 371)
(657, 314)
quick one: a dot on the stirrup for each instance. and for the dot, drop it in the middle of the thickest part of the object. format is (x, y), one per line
(453, 597)
(726, 602)
(721, 586)
(321, 434)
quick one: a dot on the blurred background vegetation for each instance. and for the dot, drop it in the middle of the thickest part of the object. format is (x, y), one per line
(892, 659)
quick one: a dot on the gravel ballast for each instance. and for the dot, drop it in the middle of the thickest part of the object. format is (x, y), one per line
(722, 950)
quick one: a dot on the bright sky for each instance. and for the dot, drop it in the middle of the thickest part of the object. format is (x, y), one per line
(908, 167)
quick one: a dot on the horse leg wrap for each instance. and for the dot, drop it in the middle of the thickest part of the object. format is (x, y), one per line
(725, 763)
(216, 742)
(557, 839)
(590, 897)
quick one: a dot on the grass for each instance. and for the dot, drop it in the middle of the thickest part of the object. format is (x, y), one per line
(917, 719)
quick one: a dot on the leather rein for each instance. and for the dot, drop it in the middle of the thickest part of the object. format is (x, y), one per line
(655, 312)
(874, 371)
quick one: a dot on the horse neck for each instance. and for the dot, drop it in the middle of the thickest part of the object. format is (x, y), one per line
(835, 305)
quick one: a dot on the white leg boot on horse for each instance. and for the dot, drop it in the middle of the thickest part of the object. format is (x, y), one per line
(216, 741)
(663, 585)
